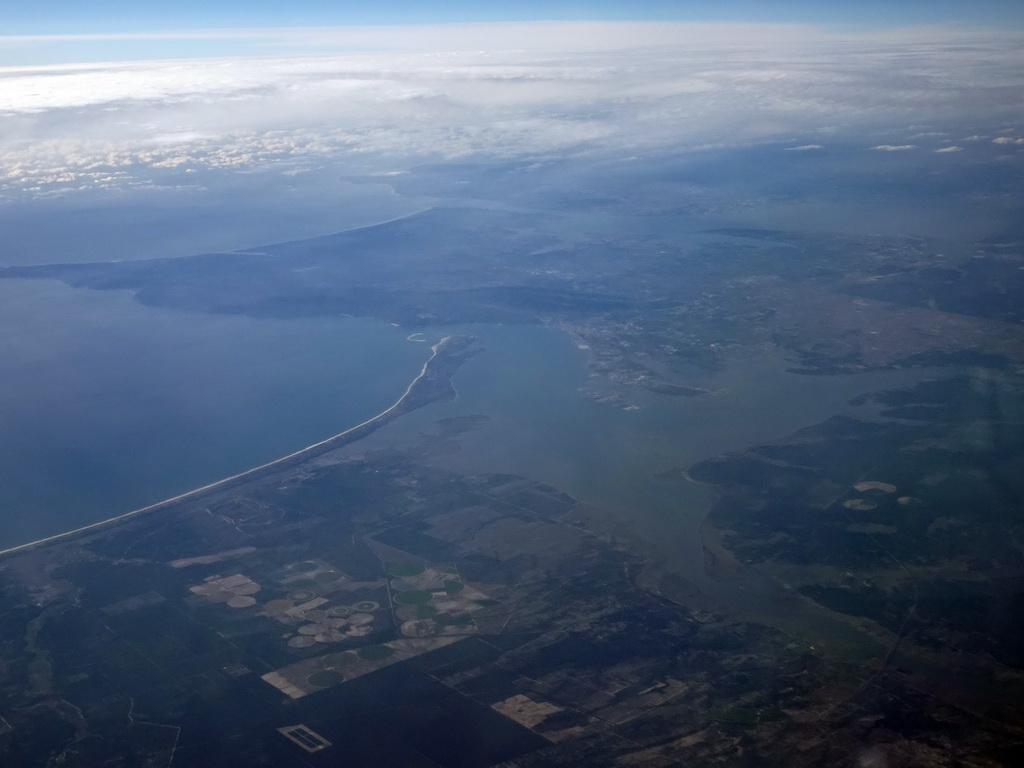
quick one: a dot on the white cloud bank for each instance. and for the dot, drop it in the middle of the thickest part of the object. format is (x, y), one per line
(498, 91)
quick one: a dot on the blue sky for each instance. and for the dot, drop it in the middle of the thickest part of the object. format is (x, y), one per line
(24, 25)
(99, 16)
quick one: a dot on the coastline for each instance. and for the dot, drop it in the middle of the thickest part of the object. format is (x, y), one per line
(449, 349)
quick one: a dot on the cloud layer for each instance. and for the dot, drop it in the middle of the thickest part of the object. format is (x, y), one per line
(502, 91)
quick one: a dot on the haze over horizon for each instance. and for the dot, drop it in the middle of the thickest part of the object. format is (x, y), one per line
(53, 31)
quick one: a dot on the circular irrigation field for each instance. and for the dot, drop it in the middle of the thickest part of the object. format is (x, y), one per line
(340, 660)
(376, 652)
(414, 597)
(325, 678)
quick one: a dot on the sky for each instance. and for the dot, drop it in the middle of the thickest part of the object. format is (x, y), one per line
(96, 16)
(64, 31)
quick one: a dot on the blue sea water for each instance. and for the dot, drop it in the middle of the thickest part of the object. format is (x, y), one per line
(107, 405)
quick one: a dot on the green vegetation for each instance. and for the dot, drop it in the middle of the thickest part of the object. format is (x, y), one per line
(414, 597)
(425, 611)
(340, 660)
(376, 652)
(453, 587)
(402, 570)
(325, 678)
(487, 602)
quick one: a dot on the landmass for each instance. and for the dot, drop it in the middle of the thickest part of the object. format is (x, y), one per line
(651, 314)
(431, 384)
(863, 578)
(373, 609)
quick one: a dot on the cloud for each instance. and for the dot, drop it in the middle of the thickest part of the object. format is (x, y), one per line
(504, 91)
(894, 147)
(1007, 140)
(180, 137)
(949, 149)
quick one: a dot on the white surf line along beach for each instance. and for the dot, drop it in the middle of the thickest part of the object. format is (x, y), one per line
(240, 476)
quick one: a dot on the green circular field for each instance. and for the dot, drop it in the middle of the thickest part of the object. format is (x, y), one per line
(301, 595)
(325, 678)
(415, 597)
(376, 652)
(406, 569)
(366, 606)
(339, 660)
(425, 611)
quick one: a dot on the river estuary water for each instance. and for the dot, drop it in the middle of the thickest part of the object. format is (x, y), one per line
(527, 381)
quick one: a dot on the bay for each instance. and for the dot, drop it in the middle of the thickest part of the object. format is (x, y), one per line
(107, 405)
